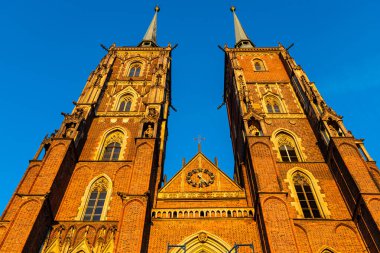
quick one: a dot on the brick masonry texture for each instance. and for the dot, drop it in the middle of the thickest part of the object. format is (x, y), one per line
(202, 209)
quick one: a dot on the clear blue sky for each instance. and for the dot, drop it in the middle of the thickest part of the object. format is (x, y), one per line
(48, 49)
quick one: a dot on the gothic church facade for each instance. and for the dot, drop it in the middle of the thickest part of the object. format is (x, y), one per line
(302, 182)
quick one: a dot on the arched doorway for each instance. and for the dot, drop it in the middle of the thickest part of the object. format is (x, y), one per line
(203, 242)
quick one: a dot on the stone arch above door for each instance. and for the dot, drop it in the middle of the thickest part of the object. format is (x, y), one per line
(203, 242)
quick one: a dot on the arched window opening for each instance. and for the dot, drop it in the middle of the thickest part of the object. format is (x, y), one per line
(306, 196)
(125, 104)
(287, 148)
(96, 200)
(258, 65)
(134, 71)
(288, 154)
(112, 146)
(112, 152)
(273, 104)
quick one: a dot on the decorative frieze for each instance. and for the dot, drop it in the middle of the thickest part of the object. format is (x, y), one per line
(202, 195)
(200, 213)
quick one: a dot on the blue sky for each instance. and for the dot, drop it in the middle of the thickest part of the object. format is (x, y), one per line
(48, 49)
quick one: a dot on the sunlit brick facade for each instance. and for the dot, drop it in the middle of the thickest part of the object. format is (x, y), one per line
(302, 182)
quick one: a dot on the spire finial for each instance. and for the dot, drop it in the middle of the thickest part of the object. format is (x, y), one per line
(241, 38)
(199, 139)
(149, 39)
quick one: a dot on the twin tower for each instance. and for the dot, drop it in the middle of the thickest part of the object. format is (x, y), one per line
(302, 183)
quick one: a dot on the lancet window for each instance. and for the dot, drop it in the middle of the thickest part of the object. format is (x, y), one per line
(306, 196)
(258, 65)
(96, 201)
(125, 104)
(287, 148)
(112, 146)
(134, 70)
(273, 104)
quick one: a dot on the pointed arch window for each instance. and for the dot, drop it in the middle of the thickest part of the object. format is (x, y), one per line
(134, 71)
(96, 202)
(273, 104)
(306, 196)
(125, 104)
(258, 65)
(112, 152)
(287, 148)
(112, 146)
(288, 153)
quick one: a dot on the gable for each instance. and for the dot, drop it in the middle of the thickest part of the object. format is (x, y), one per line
(200, 178)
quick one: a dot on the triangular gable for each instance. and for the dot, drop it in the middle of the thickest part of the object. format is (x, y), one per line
(199, 177)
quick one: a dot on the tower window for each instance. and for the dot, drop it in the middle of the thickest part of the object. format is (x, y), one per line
(272, 104)
(95, 205)
(112, 152)
(97, 196)
(112, 146)
(134, 71)
(125, 104)
(258, 65)
(287, 148)
(288, 154)
(306, 196)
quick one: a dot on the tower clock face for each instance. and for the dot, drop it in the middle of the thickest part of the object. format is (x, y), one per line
(200, 178)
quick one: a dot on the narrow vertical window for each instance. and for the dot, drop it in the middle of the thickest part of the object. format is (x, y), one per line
(288, 154)
(134, 71)
(95, 206)
(276, 108)
(306, 196)
(287, 148)
(269, 108)
(112, 146)
(258, 66)
(112, 152)
(273, 104)
(125, 104)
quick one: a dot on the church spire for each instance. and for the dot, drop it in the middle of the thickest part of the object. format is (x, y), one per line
(242, 40)
(149, 39)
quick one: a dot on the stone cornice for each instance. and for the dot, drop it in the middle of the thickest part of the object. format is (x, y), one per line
(141, 49)
(201, 195)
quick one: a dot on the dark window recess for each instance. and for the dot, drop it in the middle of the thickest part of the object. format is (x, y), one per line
(95, 205)
(288, 154)
(112, 152)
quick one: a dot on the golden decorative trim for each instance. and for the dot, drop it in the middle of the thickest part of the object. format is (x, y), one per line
(203, 213)
(285, 116)
(202, 195)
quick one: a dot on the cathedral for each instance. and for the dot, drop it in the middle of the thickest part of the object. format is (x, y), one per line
(302, 182)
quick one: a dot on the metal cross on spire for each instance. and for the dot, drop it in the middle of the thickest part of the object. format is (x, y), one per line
(199, 139)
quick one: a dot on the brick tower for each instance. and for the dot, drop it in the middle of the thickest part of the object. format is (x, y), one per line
(91, 190)
(302, 182)
(312, 183)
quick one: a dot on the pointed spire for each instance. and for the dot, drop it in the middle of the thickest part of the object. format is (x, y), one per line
(149, 39)
(241, 38)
